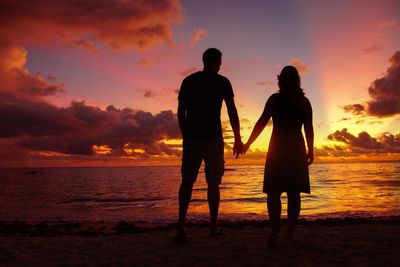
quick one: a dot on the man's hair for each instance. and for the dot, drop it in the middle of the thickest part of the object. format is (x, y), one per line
(211, 55)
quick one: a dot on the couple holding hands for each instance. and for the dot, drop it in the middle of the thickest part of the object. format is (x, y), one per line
(286, 167)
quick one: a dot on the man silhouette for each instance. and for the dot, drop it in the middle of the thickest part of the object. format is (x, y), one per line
(199, 115)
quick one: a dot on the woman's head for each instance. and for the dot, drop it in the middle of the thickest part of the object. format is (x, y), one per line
(289, 81)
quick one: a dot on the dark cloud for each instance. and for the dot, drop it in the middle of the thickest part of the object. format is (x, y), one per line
(372, 48)
(116, 24)
(74, 145)
(364, 142)
(23, 116)
(384, 107)
(40, 126)
(10, 150)
(148, 93)
(390, 140)
(356, 109)
(43, 90)
(384, 93)
(344, 119)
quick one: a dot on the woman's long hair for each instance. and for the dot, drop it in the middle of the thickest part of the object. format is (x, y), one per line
(289, 81)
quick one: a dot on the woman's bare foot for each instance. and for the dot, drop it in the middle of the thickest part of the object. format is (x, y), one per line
(216, 232)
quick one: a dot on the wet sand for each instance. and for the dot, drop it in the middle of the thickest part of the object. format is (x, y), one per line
(324, 242)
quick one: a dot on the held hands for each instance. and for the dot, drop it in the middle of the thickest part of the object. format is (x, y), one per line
(310, 157)
(240, 148)
(237, 148)
(245, 148)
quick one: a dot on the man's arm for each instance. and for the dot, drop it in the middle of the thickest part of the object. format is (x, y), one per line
(181, 116)
(235, 124)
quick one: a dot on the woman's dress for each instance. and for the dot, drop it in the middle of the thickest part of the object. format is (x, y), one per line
(286, 167)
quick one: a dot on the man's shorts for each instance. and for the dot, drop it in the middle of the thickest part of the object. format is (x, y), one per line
(194, 151)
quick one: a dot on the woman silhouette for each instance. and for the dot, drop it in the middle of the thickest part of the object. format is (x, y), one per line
(286, 166)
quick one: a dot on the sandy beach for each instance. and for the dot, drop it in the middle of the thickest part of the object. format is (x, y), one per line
(327, 242)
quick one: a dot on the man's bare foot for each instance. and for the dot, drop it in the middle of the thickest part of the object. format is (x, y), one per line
(180, 236)
(272, 239)
(290, 231)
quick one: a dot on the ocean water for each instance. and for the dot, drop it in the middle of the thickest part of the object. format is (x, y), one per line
(149, 194)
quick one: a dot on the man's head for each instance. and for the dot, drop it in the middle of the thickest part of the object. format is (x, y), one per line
(212, 60)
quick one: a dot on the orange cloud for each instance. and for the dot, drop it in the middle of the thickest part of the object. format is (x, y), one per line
(32, 128)
(391, 24)
(118, 24)
(188, 71)
(144, 63)
(88, 45)
(198, 35)
(14, 77)
(265, 83)
(301, 67)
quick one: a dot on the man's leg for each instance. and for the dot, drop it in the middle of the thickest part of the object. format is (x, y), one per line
(214, 169)
(293, 210)
(185, 194)
(274, 212)
(213, 196)
(191, 161)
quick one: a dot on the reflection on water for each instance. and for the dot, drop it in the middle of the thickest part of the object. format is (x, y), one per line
(148, 193)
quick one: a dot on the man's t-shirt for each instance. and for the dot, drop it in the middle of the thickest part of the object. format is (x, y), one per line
(202, 94)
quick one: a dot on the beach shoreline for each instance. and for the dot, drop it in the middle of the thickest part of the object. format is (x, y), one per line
(15, 227)
(367, 241)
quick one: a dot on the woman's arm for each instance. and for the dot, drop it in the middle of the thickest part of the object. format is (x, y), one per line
(309, 131)
(261, 123)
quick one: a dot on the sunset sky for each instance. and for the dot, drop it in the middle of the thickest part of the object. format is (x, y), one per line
(85, 83)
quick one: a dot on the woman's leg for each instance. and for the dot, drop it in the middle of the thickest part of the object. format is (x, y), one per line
(293, 210)
(274, 212)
